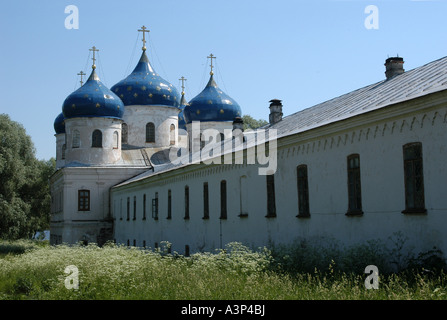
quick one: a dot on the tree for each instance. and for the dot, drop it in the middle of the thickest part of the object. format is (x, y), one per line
(251, 123)
(24, 190)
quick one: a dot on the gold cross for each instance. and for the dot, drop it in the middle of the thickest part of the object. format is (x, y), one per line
(211, 57)
(143, 29)
(183, 79)
(94, 60)
(81, 74)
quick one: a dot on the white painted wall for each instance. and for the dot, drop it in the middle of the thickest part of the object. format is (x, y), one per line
(85, 154)
(377, 136)
(137, 116)
(69, 223)
(60, 142)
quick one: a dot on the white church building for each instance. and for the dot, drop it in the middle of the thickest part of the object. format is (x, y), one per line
(139, 165)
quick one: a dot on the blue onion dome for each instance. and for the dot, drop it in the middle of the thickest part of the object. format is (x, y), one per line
(93, 99)
(59, 124)
(181, 117)
(145, 87)
(212, 104)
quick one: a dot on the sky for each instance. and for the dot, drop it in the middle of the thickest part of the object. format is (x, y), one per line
(302, 52)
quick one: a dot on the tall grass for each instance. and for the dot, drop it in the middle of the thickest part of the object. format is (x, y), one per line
(118, 272)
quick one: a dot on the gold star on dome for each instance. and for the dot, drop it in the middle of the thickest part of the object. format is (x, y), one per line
(129, 88)
(198, 111)
(143, 88)
(210, 102)
(221, 111)
(97, 105)
(73, 106)
(135, 94)
(150, 95)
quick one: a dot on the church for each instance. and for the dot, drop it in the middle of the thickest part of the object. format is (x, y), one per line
(139, 165)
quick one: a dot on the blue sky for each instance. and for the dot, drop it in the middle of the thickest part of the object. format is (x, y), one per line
(302, 52)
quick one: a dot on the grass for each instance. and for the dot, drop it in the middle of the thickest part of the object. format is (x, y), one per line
(30, 270)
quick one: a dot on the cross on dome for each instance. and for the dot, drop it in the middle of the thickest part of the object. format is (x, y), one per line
(93, 58)
(81, 74)
(211, 56)
(183, 79)
(143, 29)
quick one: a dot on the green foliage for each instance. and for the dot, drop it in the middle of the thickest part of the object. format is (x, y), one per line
(24, 190)
(113, 272)
(302, 256)
(251, 123)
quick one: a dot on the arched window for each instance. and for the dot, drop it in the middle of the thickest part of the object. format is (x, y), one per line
(150, 132)
(172, 135)
(64, 147)
(124, 133)
(97, 139)
(115, 140)
(76, 139)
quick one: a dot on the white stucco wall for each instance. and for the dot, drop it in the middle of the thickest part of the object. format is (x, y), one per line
(67, 221)
(108, 154)
(137, 116)
(377, 137)
(60, 142)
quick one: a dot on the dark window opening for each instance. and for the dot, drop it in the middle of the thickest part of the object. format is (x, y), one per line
(414, 178)
(354, 186)
(97, 139)
(271, 205)
(150, 132)
(186, 202)
(155, 207)
(223, 199)
(303, 192)
(169, 204)
(206, 203)
(83, 200)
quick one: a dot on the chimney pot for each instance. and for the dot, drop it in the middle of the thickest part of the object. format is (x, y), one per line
(393, 67)
(275, 111)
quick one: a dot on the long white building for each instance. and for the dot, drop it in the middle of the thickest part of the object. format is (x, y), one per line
(362, 166)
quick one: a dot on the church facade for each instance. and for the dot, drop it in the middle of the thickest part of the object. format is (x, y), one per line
(362, 166)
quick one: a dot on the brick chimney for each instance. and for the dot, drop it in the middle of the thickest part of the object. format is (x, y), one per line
(393, 67)
(275, 111)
